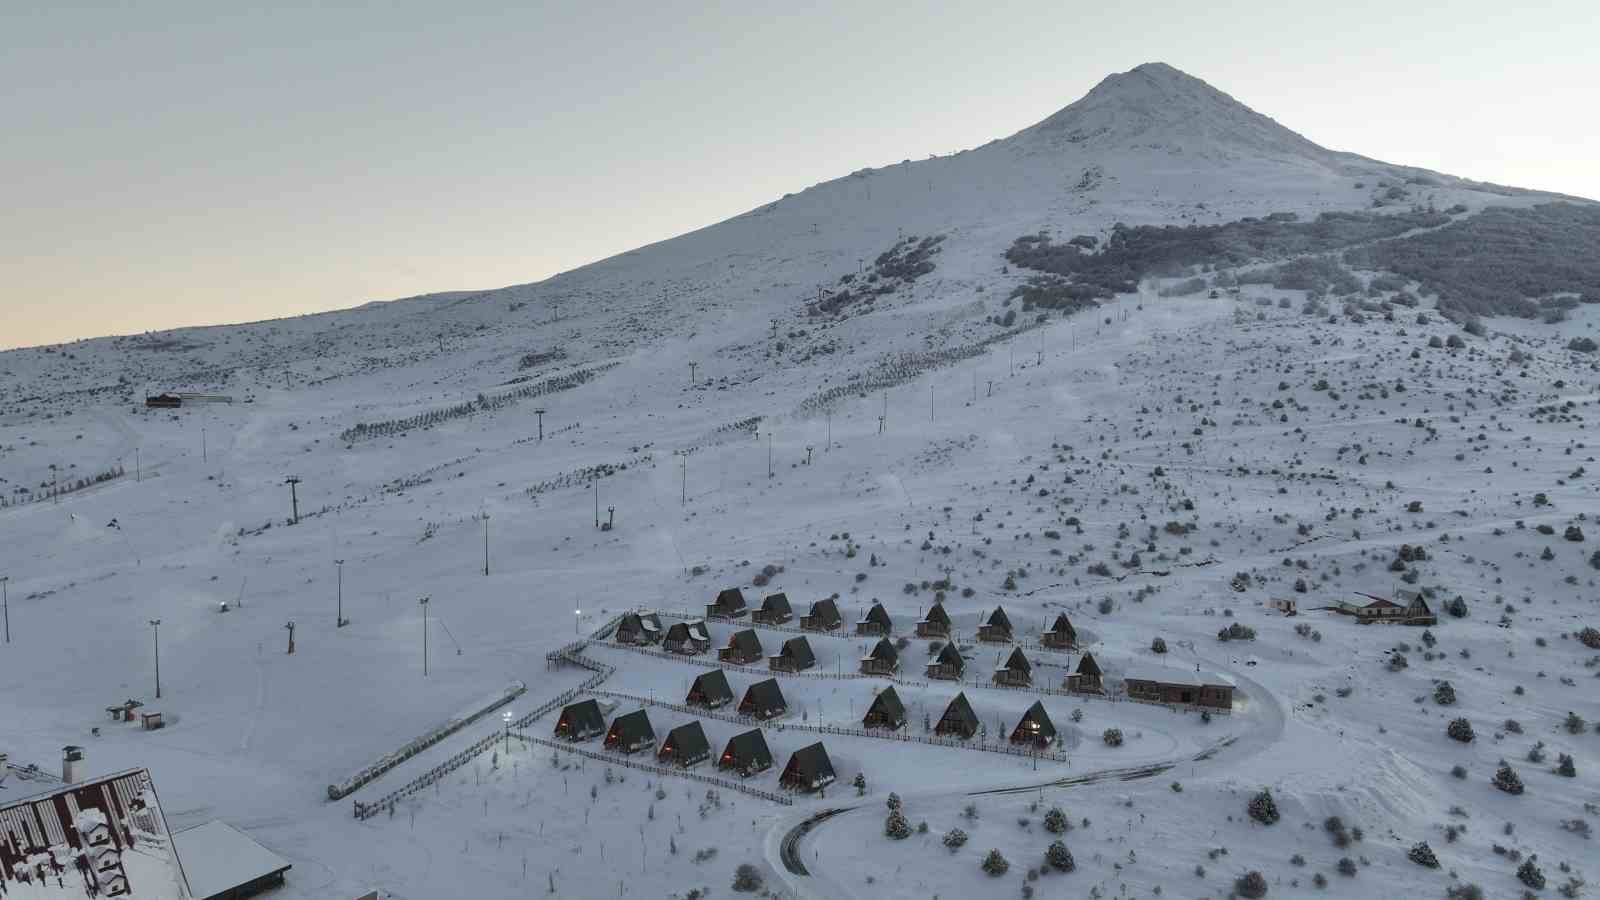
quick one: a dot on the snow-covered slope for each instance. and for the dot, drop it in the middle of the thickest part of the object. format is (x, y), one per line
(837, 394)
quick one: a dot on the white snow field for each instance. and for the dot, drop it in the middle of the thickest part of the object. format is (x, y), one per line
(1163, 465)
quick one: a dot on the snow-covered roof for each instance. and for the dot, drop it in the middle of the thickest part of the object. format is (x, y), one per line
(217, 857)
(1173, 675)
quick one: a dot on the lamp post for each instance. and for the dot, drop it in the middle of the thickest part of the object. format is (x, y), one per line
(424, 602)
(289, 626)
(486, 542)
(294, 499)
(692, 366)
(540, 413)
(338, 618)
(155, 627)
(5, 598)
(506, 717)
(577, 614)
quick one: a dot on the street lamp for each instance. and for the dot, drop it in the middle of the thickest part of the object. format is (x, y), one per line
(338, 618)
(155, 627)
(506, 717)
(485, 542)
(576, 615)
(424, 602)
(5, 598)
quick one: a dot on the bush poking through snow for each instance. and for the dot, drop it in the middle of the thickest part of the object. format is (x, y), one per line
(955, 839)
(1566, 767)
(1263, 809)
(1505, 778)
(747, 879)
(896, 826)
(1055, 821)
(1461, 730)
(1112, 737)
(1590, 636)
(1058, 857)
(1530, 874)
(1422, 855)
(1251, 884)
(1444, 694)
(995, 864)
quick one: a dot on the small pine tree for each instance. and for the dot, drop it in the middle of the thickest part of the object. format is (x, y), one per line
(1251, 884)
(1158, 645)
(1444, 694)
(955, 839)
(747, 879)
(1055, 821)
(995, 864)
(860, 783)
(894, 800)
(1112, 737)
(1422, 855)
(1461, 730)
(1505, 778)
(1530, 874)
(1058, 857)
(1565, 766)
(896, 826)
(1263, 809)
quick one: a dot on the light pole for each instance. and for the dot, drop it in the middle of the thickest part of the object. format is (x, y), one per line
(424, 602)
(290, 628)
(506, 717)
(769, 454)
(55, 483)
(540, 413)
(155, 627)
(294, 499)
(5, 597)
(138, 474)
(577, 615)
(692, 366)
(338, 618)
(596, 483)
(486, 542)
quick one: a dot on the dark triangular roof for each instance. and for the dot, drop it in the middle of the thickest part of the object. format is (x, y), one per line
(936, 613)
(583, 716)
(888, 703)
(750, 747)
(812, 762)
(799, 650)
(826, 610)
(730, 598)
(1087, 665)
(1017, 662)
(688, 741)
(885, 651)
(713, 684)
(678, 632)
(961, 710)
(632, 727)
(746, 641)
(777, 603)
(1036, 713)
(637, 622)
(877, 615)
(949, 655)
(766, 694)
(1063, 626)
(999, 619)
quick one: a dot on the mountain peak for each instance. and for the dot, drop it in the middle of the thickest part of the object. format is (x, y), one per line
(1156, 106)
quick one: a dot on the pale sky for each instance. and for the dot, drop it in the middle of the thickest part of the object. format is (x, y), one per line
(189, 163)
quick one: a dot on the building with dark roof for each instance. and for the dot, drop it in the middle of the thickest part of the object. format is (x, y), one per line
(744, 648)
(728, 605)
(935, 624)
(876, 623)
(775, 610)
(794, 656)
(948, 665)
(1088, 679)
(1061, 635)
(1017, 672)
(809, 769)
(685, 746)
(1035, 728)
(824, 616)
(630, 732)
(710, 690)
(639, 628)
(763, 700)
(581, 721)
(746, 754)
(883, 660)
(997, 628)
(886, 711)
(687, 638)
(958, 720)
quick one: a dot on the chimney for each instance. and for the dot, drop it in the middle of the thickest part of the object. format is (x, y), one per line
(71, 757)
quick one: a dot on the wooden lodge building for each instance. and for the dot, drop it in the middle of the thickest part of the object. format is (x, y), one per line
(1088, 679)
(1017, 672)
(1410, 610)
(775, 610)
(948, 665)
(728, 605)
(630, 732)
(687, 638)
(685, 746)
(1035, 727)
(763, 700)
(809, 769)
(581, 721)
(824, 616)
(794, 656)
(744, 648)
(997, 629)
(640, 629)
(936, 624)
(886, 711)
(958, 720)
(710, 690)
(746, 754)
(1178, 687)
(883, 660)
(1061, 635)
(876, 623)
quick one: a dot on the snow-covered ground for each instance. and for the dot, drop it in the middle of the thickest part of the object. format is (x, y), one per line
(1210, 453)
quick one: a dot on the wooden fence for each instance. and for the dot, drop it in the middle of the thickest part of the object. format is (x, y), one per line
(665, 771)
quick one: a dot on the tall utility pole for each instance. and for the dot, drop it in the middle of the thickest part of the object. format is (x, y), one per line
(930, 403)
(769, 454)
(486, 542)
(55, 482)
(829, 413)
(692, 365)
(290, 627)
(138, 475)
(596, 483)
(155, 627)
(424, 602)
(203, 455)
(339, 613)
(5, 598)
(540, 413)
(294, 499)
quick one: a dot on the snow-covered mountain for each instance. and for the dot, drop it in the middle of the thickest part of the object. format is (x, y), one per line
(1118, 366)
